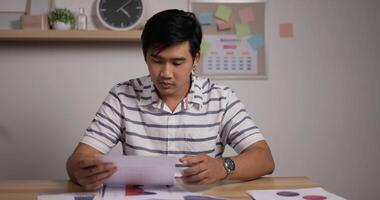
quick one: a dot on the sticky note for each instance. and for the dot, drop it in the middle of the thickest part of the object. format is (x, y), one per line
(205, 18)
(242, 30)
(256, 41)
(223, 25)
(205, 46)
(286, 30)
(246, 15)
(223, 12)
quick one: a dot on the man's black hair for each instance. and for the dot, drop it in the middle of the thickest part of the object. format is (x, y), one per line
(171, 27)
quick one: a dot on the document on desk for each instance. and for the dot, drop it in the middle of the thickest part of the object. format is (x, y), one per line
(175, 192)
(315, 193)
(68, 196)
(141, 170)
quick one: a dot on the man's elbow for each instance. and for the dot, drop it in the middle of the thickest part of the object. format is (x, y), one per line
(270, 166)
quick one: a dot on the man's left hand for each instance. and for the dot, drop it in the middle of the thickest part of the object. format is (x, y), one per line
(202, 169)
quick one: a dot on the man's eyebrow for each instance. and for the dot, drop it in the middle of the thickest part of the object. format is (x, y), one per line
(171, 59)
(155, 56)
(178, 59)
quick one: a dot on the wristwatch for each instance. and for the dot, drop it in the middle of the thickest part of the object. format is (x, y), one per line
(229, 164)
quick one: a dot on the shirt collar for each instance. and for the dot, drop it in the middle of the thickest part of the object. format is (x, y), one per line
(195, 95)
(149, 95)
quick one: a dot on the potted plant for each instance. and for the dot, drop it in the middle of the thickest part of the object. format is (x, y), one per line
(61, 18)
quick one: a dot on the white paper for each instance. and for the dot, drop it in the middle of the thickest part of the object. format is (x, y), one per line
(146, 192)
(178, 173)
(272, 194)
(141, 170)
(176, 192)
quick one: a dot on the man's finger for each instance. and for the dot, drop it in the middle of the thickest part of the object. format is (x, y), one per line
(95, 180)
(192, 160)
(195, 179)
(195, 169)
(90, 171)
(97, 169)
(88, 162)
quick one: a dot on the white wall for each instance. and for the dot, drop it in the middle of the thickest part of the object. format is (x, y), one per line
(319, 109)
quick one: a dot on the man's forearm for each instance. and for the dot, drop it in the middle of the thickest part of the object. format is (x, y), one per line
(254, 162)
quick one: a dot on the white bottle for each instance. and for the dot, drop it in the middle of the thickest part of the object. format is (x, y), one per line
(81, 20)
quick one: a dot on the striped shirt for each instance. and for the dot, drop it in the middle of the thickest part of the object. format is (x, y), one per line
(210, 117)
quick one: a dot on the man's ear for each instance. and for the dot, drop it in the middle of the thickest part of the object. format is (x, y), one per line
(197, 59)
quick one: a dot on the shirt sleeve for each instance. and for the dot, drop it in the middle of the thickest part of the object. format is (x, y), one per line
(239, 131)
(104, 130)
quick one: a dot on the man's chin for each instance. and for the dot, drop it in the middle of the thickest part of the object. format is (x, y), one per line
(165, 92)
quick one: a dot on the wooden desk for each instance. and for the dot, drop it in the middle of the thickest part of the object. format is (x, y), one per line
(30, 189)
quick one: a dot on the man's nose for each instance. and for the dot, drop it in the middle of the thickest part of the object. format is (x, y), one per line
(166, 71)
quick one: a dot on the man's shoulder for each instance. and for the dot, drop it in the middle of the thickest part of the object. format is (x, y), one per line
(206, 85)
(134, 84)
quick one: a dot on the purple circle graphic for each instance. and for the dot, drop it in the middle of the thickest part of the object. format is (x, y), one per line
(287, 194)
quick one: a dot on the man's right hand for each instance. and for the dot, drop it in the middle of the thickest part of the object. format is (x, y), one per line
(87, 169)
(91, 172)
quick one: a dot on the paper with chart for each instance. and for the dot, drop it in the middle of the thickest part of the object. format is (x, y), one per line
(175, 192)
(141, 170)
(315, 193)
(69, 196)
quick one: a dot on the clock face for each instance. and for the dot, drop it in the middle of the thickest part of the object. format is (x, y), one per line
(120, 14)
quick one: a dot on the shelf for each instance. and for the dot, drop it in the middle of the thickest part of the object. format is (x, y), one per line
(71, 35)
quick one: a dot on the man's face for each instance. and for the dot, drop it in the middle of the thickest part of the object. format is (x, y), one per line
(170, 70)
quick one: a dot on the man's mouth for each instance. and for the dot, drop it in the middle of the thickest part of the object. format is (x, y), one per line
(166, 85)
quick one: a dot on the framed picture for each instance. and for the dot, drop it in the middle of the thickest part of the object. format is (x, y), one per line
(12, 6)
(233, 44)
(11, 11)
(40, 7)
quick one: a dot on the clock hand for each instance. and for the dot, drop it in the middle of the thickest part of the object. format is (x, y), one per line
(129, 1)
(124, 11)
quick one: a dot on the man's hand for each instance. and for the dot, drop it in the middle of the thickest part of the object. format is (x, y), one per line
(203, 169)
(86, 168)
(90, 172)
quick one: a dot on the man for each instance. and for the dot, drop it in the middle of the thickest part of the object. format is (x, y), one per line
(173, 112)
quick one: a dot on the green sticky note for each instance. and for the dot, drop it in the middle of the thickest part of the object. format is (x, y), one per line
(242, 30)
(205, 46)
(223, 12)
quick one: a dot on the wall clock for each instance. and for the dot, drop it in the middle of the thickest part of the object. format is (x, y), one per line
(120, 14)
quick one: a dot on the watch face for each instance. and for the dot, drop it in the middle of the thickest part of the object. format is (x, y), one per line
(230, 165)
(120, 14)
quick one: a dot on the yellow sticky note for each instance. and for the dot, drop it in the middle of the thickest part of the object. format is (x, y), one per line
(223, 12)
(242, 30)
(205, 46)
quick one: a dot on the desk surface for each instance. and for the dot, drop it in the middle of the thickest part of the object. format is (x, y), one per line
(30, 189)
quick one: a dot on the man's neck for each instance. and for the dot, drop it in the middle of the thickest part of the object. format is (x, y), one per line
(173, 101)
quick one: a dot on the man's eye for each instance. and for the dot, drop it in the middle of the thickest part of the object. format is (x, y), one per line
(157, 61)
(177, 63)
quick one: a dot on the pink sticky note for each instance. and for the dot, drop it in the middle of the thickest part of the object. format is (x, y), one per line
(246, 15)
(286, 30)
(223, 25)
